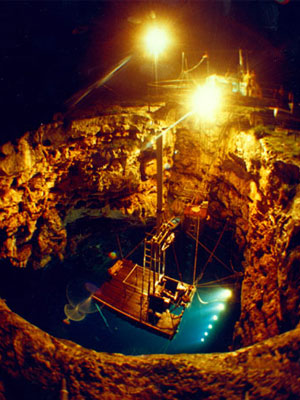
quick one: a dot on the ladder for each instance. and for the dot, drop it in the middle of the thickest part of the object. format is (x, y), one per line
(155, 248)
(154, 260)
(148, 253)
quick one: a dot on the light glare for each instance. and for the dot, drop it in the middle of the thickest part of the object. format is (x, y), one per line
(156, 40)
(215, 317)
(207, 99)
(221, 307)
(227, 293)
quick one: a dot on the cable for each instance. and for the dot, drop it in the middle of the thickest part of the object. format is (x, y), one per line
(197, 65)
(103, 317)
(177, 264)
(119, 245)
(196, 251)
(205, 248)
(211, 283)
(200, 300)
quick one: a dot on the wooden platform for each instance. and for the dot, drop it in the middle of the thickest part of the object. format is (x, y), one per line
(196, 211)
(126, 293)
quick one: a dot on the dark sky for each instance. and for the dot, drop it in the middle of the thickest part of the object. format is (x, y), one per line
(51, 49)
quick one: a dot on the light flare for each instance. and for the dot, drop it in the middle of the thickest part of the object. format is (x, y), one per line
(226, 293)
(221, 307)
(163, 132)
(78, 97)
(207, 100)
(156, 40)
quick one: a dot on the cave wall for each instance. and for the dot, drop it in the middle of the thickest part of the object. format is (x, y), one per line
(250, 175)
(105, 166)
(87, 168)
(35, 365)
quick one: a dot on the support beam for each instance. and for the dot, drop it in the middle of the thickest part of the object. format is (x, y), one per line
(159, 166)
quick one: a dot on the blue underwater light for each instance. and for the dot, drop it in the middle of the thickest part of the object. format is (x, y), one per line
(199, 330)
(212, 303)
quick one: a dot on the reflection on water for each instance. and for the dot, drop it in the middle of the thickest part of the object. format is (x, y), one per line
(79, 295)
(203, 328)
(40, 297)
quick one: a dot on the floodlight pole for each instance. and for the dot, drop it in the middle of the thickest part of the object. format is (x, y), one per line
(159, 162)
(159, 169)
(159, 173)
(155, 73)
(155, 69)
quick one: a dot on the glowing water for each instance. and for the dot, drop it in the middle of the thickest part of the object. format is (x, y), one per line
(200, 327)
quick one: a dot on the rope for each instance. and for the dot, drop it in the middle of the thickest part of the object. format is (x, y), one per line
(211, 283)
(119, 245)
(138, 245)
(177, 264)
(205, 248)
(103, 317)
(200, 300)
(197, 65)
(134, 249)
(217, 243)
(196, 251)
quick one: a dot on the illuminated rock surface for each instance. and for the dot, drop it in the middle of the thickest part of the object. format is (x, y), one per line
(38, 362)
(103, 165)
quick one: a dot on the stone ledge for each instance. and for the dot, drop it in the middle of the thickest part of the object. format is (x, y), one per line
(269, 369)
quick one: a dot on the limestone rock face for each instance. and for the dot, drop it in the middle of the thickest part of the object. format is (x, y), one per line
(251, 179)
(105, 165)
(90, 168)
(49, 367)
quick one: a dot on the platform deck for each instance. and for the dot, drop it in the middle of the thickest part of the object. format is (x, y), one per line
(126, 293)
(196, 211)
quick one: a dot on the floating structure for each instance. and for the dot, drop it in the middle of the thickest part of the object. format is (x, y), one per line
(144, 294)
(144, 297)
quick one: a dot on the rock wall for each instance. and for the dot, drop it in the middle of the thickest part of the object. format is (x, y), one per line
(65, 171)
(250, 175)
(105, 166)
(37, 365)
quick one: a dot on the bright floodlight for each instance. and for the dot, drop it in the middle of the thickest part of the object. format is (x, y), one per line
(210, 326)
(226, 293)
(156, 40)
(215, 317)
(207, 99)
(202, 340)
(205, 333)
(221, 307)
